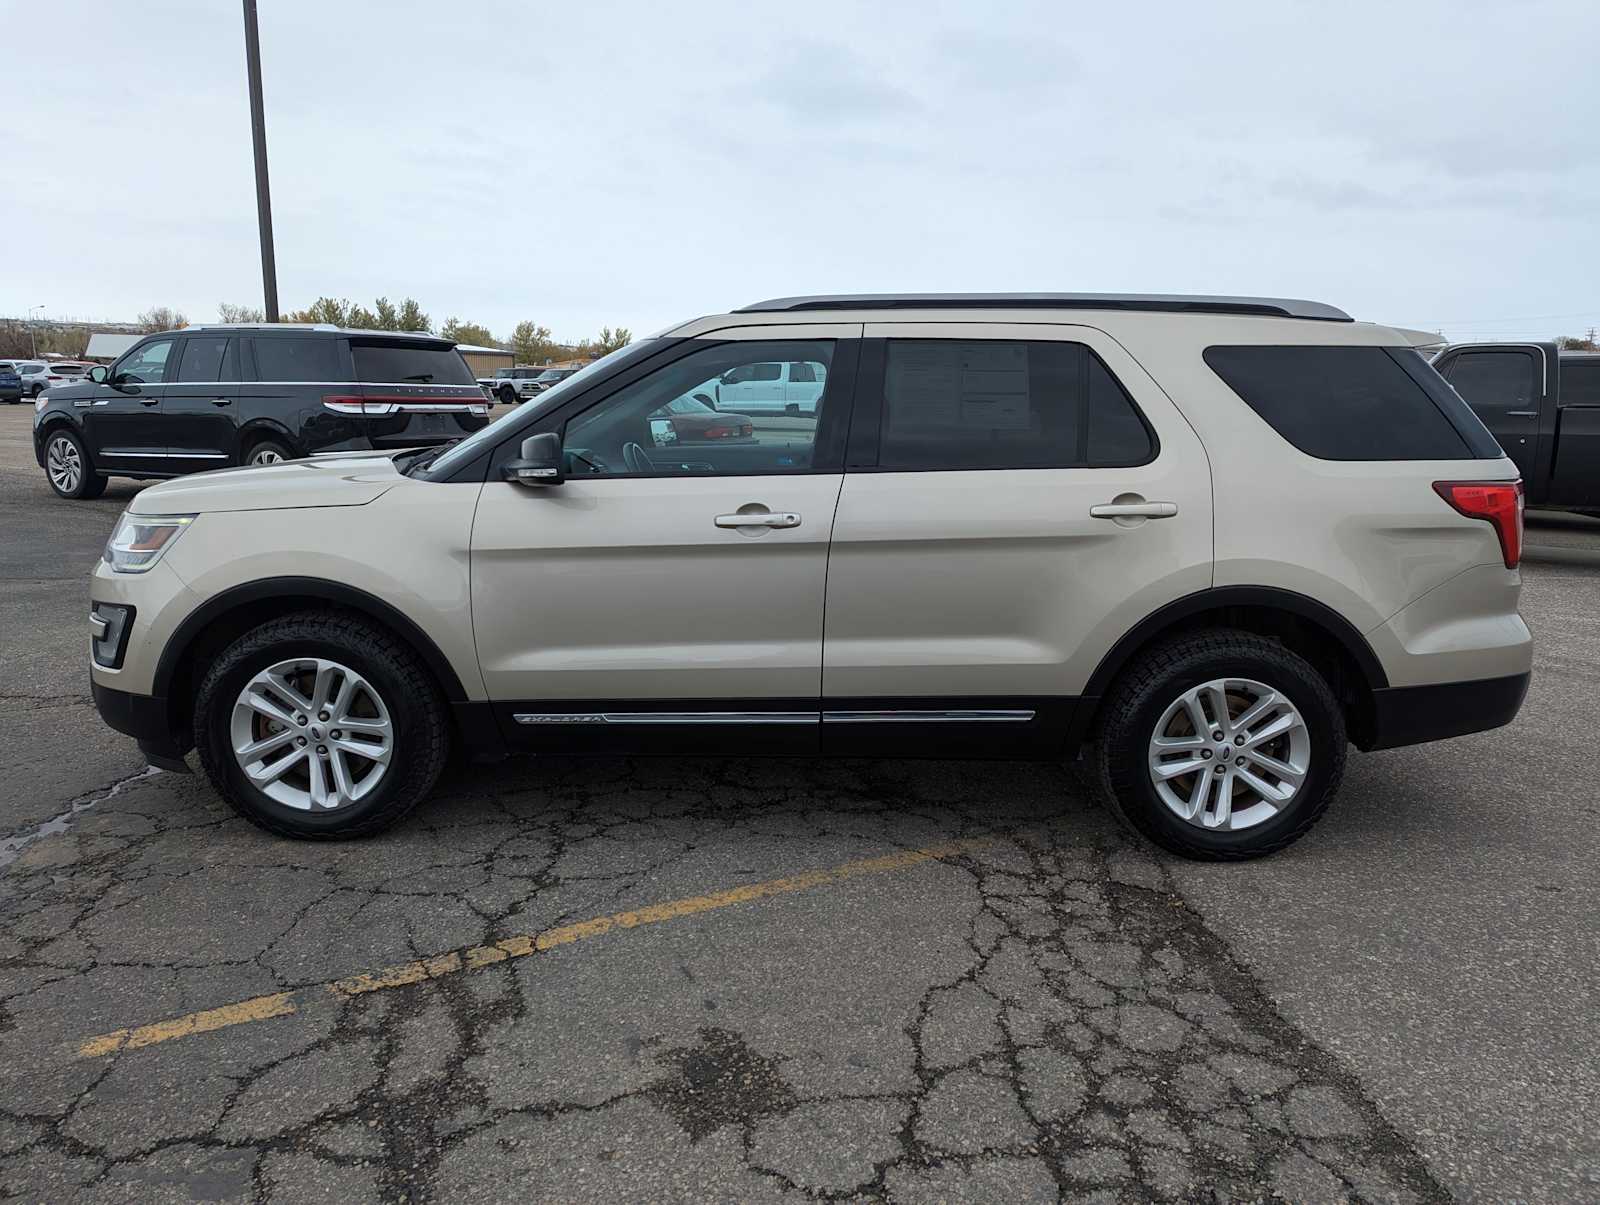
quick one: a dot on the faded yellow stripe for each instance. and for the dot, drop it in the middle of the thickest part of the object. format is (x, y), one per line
(258, 1009)
(520, 946)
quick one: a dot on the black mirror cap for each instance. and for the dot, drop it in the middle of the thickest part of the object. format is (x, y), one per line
(540, 462)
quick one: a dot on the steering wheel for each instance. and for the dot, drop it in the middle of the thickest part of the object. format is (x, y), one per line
(634, 457)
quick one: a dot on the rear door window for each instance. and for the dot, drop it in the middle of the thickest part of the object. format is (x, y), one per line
(1496, 382)
(293, 359)
(393, 362)
(949, 404)
(1353, 403)
(207, 358)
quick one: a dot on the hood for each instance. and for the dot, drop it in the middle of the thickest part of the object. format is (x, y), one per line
(341, 479)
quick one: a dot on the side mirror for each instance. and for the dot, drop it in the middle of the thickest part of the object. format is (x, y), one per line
(539, 463)
(99, 374)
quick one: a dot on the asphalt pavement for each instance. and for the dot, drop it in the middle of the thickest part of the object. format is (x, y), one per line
(770, 979)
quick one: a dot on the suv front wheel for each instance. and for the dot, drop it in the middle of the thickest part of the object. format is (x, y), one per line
(320, 726)
(1220, 745)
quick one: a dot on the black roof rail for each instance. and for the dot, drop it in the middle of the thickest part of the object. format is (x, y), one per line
(1165, 303)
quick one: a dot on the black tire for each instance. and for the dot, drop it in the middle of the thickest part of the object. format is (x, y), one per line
(1118, 767)
(416, 708)
(35, 389)
(90, 484)
(508, 396)
(268, 447)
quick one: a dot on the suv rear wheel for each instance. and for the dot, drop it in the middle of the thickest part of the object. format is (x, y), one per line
(268, 451)
(320, 726)
(1220, 745)
(508, 395)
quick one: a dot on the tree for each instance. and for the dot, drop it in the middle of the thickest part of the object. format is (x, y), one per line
(533, 344)
(324, 309)
(161, 318)
(387, 318)
(1578, 342)
(228, 312)
(412, 318)
(360, 317)
(610, 340)
(467, 332)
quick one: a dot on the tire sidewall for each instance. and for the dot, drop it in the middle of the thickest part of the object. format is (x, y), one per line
(1128, 751)
(66, 433)
(213, 722)
(262, 444)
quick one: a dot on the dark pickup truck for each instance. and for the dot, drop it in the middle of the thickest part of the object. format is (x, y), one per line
(1543, 405)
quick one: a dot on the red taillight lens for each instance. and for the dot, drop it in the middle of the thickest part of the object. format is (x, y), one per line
(1498, 502)
(718, 432)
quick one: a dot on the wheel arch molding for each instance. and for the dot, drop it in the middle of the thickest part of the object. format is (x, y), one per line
(1244, 607)
(282, 589)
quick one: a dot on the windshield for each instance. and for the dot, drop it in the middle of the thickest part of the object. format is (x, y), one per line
(487, 437)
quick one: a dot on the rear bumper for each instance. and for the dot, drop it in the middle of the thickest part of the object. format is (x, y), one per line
(1410, 715)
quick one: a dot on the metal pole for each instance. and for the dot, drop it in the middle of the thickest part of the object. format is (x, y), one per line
(33, 339)
(258, 128)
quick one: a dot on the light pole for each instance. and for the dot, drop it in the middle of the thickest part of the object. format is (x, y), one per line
(258, 129)
(33, 339)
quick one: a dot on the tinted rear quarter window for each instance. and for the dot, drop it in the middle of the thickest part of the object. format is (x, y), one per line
(296, 359)
(391, 362)
(1005, 405)
(1353, 403)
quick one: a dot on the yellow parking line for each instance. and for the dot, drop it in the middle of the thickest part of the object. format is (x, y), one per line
(261, 1008)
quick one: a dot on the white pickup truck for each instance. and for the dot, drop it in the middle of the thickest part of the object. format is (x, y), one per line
(782, 387)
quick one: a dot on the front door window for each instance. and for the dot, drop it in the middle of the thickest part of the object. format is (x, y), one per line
(146, 364)
(686, 419)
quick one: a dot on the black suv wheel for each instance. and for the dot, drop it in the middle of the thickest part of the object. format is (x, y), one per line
(68, 468)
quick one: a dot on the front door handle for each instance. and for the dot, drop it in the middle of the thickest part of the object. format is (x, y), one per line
(782, 518)
(1522, 414)
(222, 401)
(1134, 510)
(150, 401)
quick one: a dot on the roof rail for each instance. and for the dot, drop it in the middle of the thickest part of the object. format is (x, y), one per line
(1166, 303)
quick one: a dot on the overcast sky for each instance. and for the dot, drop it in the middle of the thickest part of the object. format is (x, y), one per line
(590, 163)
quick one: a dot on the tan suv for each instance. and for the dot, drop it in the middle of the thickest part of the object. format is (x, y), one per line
(1202, 543)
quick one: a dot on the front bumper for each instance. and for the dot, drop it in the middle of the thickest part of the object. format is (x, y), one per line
(147, 719)
(1410, 715)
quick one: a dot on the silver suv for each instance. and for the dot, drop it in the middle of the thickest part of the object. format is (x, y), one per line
(1200, 543)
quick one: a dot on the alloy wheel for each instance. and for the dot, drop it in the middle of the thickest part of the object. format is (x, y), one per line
(64, 464)
(312, 734)
(1229, 754)
(266, 456)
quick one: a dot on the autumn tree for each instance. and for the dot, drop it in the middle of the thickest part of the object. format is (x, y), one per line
(533, 344)
(412, 318)
(161, 318)
(228, 312)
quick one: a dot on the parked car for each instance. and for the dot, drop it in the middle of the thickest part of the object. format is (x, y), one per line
(1543, 406)
(691, 419)
(510, 385)
(39, 375)
(1202, 543)
(212, 396)
(10, 382)
(551, 377)
(773, 388)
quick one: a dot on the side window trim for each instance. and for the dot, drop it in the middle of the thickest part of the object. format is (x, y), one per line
(868, 412)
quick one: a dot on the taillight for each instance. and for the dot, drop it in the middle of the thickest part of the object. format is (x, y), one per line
(718, 432)
(1498, 502)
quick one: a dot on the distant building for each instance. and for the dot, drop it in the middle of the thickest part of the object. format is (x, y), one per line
(105, 345)
(484, 360)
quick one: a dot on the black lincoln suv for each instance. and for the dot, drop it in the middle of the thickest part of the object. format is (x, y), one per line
(211, 397)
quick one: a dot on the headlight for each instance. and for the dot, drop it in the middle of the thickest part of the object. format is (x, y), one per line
(40, 402)
(139, 541)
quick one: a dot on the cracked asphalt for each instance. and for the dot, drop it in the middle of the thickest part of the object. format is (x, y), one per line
(767, 979)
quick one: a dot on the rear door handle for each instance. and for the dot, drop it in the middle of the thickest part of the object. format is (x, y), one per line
(1522, 414)
(222, 401)
(782, 518)
(1134, 510)
(150, 401)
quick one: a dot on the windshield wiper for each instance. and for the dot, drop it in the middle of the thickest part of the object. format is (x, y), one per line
(432, 454)
(425, 377)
